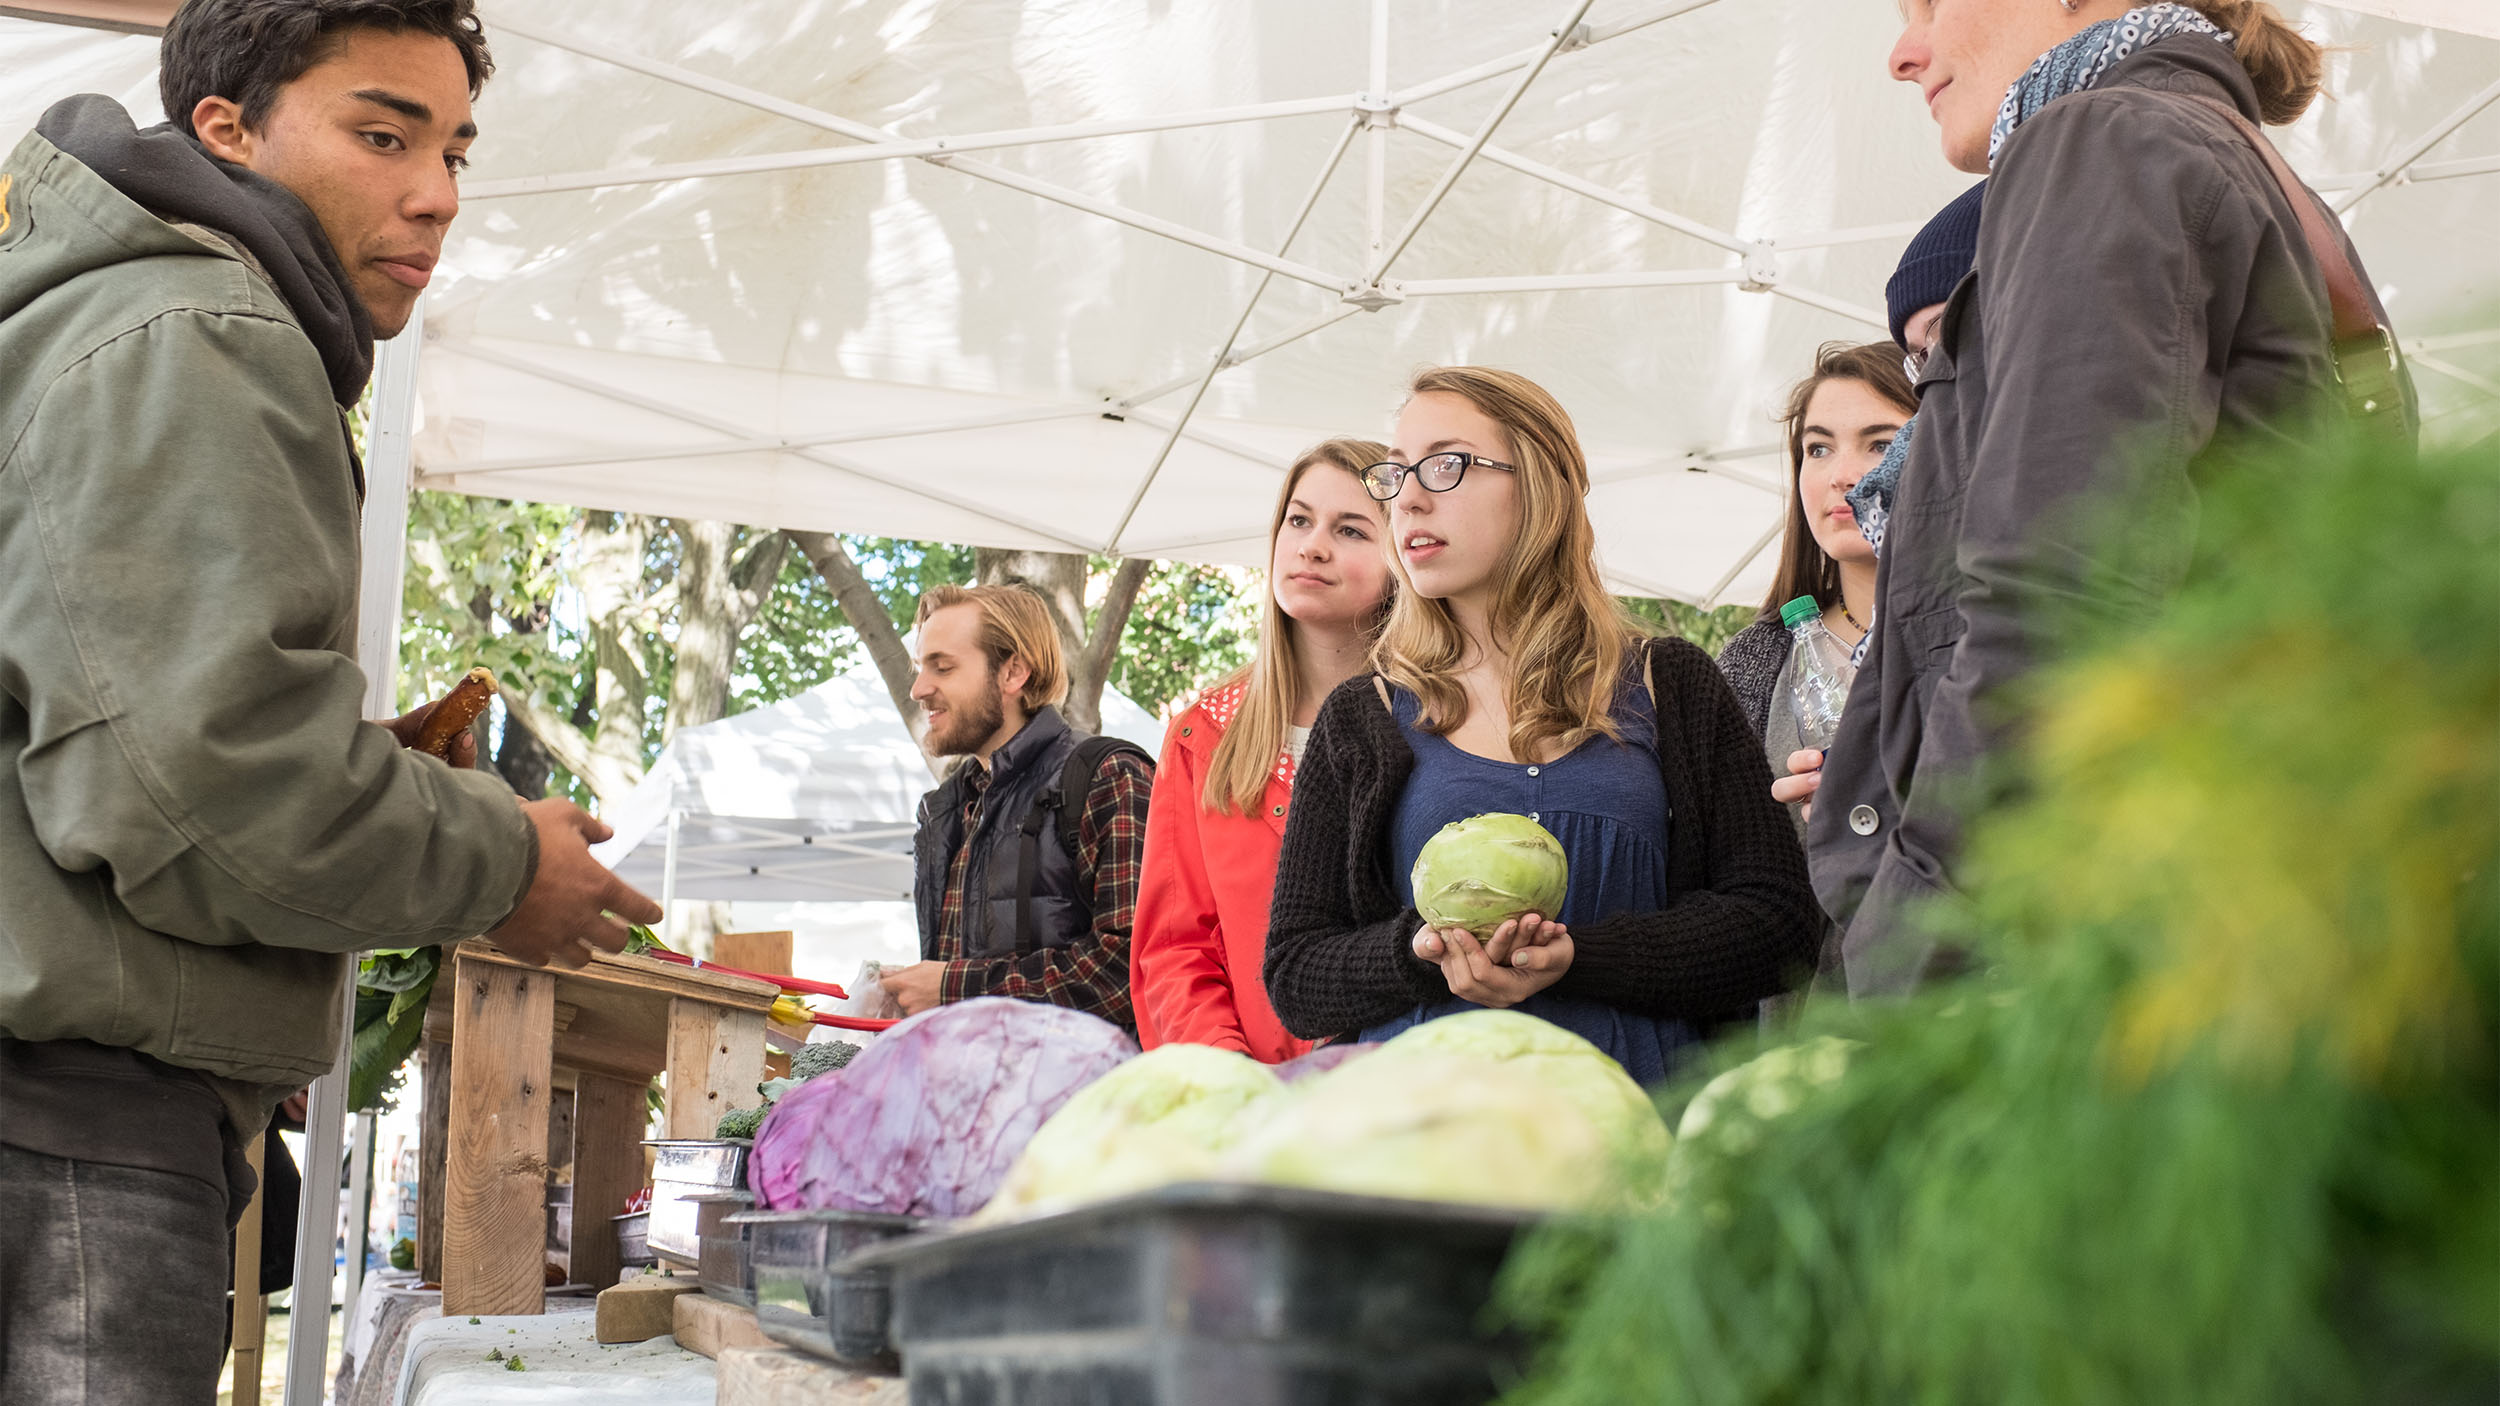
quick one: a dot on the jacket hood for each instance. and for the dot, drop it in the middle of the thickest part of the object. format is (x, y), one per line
(170, 177)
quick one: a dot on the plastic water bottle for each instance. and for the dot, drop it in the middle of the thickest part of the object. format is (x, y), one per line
(1818, 672)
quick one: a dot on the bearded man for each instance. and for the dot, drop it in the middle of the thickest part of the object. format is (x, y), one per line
(1026, 862)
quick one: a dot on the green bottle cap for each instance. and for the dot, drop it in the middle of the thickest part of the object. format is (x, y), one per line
(1800, 610)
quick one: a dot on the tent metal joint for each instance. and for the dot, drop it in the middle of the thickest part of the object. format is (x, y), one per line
(1762, 270)
(1372, 297)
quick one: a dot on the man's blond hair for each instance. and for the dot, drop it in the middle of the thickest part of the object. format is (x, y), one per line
(1014, 625)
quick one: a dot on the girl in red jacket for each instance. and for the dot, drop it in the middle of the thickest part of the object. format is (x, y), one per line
(1226, 778)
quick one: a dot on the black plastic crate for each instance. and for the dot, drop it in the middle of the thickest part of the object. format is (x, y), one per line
(806, 1295)
(1208, 1293)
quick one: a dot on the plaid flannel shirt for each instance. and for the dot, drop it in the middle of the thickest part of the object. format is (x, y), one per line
(1090, 974)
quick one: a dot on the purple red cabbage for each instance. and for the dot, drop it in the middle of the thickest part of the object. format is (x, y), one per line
(927, 1120)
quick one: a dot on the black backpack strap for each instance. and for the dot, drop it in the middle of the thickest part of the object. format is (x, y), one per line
(1067, 799)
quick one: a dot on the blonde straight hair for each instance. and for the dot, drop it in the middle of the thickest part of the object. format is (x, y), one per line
(1566, 634)
(1272, 680)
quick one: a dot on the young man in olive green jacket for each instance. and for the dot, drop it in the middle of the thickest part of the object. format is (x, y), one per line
(196, 829)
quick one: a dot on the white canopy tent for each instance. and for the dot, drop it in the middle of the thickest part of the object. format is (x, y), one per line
(808, 799)
(1083, 274)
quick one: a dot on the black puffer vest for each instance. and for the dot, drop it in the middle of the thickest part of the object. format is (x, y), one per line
(1023, 775)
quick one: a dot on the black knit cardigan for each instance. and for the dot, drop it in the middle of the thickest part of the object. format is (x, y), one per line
(1740, 921)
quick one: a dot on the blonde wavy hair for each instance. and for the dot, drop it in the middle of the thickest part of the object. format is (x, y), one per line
(1566, 634)
(1272, 680)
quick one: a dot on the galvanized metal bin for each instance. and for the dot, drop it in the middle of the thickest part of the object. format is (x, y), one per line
(684, 1169)
(805, 1293)
(1216, 1293)
(722, 1265)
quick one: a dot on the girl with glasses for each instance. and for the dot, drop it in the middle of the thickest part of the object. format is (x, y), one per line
(1227, 776)
(1509, 679)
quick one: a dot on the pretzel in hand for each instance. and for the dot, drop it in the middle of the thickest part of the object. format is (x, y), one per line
(455, 713)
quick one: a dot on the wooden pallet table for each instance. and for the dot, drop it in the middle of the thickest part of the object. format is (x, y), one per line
(518, 1033)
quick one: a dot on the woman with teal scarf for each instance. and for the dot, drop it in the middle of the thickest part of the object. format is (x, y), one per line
(2154, 299)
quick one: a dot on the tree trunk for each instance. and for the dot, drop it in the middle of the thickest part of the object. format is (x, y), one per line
(867, 616)
(522, 760)
(1061, 580)
(718, 596)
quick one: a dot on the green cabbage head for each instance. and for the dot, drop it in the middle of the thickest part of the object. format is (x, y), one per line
(1567, 1067)
(1480, 872)
(1168, 1115)
(1447, 1127)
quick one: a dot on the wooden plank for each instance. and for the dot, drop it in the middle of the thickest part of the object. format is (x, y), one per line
(640, 1309)
(495, 1175)
(758, 1376)
(609, 1116)
(614, 969)
(755, 951)
(705, 1325)
(433, 1141)
(715, 1060)
(251, 1310)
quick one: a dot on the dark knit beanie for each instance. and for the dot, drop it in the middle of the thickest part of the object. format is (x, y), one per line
(1935, 261)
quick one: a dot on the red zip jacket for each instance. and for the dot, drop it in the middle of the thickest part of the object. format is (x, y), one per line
(1201, 931)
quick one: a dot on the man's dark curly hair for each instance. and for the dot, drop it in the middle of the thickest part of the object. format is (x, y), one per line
(246, 50)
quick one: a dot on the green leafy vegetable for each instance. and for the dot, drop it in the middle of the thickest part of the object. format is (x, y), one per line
(2214, 1120)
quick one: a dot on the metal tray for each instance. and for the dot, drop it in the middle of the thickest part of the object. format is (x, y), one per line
(807, 1296)
(687, 1168)
(1207, 1293)
(720, 1247)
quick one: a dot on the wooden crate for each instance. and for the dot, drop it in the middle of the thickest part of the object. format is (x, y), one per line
(517, 1033)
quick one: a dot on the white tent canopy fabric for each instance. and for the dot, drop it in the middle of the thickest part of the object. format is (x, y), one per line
(808, 799)
(1084, 274)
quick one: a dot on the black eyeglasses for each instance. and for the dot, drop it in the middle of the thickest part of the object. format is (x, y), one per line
(1438, 473)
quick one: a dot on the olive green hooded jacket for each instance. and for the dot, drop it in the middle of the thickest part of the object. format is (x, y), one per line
(196, 828)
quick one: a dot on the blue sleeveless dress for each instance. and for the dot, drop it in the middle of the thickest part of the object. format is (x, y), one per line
(1607, 805)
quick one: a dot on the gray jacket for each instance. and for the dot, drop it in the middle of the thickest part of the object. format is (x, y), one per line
(195, 828)
(2143, 297)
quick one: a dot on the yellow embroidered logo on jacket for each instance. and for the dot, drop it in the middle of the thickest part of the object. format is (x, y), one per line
(5, 183)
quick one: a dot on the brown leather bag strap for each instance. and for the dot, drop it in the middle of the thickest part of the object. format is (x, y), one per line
(2365, 351)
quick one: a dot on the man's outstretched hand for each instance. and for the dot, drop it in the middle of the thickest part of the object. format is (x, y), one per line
(575, 905)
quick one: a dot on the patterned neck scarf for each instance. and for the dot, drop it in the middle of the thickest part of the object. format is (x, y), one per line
(2081, 61)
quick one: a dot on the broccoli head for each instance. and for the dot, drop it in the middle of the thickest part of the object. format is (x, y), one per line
(740, 1123)
(822, 1057)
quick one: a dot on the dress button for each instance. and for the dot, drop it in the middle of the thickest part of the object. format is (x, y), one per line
(1862, 819)
(1185, 732)
(1532, 771)
(1536, 815)
(1280, 810)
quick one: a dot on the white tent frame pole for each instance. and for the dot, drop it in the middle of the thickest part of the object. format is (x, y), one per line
(2454, 341)
(1512, 63)
(1861, 234)
(898, 149)
(1127, 404)
(359, 1214)
(762, 443)
(722, 427)
(1569, 282)
(2455, 372)
(1376, 186)
(1158, 420)
(668, 872)
(378, 589)
(1841, 306)
(1762, 543)
(979, 170)
(1565, 33)
(1564, 180)
(1216, 363)
(2413, 151)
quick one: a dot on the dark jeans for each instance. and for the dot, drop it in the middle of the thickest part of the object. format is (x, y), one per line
(112, 1284)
